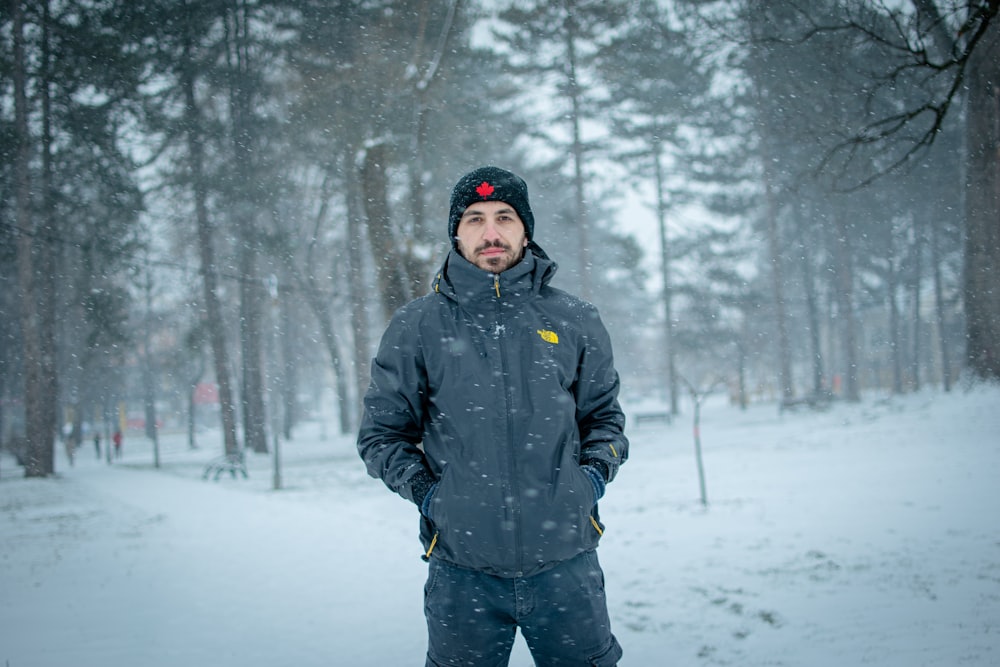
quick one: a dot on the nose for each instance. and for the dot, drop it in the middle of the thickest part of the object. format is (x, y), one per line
(491, 232)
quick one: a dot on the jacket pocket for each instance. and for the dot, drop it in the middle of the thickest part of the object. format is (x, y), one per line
(589, 526)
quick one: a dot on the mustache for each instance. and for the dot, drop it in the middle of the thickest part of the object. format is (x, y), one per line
(492, 244)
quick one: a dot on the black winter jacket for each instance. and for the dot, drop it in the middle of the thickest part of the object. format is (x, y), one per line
(500, 386)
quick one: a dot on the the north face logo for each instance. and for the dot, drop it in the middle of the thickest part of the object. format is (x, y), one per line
(549, 336)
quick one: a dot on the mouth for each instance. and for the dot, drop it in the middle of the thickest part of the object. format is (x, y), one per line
(492, 251)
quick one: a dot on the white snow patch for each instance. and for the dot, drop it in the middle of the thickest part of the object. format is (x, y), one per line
(864, 535)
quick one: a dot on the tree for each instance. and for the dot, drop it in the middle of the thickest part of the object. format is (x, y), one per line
(555, 44)
(939, 53)
(658, 84)
(184, 57)
(208, 264)
(385, 98)
(821, 73)
(39, 428)
(73, 94)
(982, 195)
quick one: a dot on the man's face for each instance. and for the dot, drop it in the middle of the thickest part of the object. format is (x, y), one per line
(491, 236)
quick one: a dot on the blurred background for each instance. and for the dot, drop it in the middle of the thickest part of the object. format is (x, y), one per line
(210, 208)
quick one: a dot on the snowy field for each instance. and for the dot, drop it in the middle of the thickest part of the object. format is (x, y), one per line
(865, 535)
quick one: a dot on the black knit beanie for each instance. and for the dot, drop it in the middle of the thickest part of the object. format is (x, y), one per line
(490, 184)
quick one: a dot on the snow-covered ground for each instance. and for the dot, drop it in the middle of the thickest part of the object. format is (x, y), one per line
(864, 535)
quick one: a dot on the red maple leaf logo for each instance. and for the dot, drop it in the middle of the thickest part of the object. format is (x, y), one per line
(484, 189)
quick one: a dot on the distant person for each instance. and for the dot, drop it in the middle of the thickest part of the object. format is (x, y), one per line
(117, 440)
(493, 408)
(97, 444)
(70, 445)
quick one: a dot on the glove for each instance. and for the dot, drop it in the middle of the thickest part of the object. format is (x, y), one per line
(422, 486)
(596, 479)
(425, 506)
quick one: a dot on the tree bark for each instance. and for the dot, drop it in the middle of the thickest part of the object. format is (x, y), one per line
(916, 322)
(982, 208)
(394, 285)
(769, 182)
(39, 458)
(940, 311)
(48, 254)
(774, 246)
(844, 288)
(245, 219)
(251, 297)
(356, 292)
(324, 317)
(812, 315)
(667, 294)
(577, 151)
(216, 326)
(895, 338)
(289, 366)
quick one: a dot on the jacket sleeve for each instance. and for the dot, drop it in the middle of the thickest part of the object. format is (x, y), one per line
(392, 421)
(599, 416)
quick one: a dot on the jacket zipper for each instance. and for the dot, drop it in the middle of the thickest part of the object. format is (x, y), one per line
(515, 508)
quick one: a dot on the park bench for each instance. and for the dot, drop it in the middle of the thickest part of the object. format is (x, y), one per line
(231, 463)
(814, 401)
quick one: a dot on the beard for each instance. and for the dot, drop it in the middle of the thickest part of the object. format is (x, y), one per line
(492, 263)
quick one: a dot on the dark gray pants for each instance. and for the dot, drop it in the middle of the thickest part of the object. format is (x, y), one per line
(562, 613)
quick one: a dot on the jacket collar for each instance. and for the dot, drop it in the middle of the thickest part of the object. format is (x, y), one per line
(466, 283)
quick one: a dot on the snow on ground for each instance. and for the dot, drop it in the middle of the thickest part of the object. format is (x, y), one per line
(864, 535)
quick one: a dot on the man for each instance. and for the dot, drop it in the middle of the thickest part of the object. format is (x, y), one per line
(493, 408)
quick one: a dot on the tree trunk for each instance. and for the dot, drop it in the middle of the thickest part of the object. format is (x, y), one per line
(394, 285)
(812, 315)
(916, 324)
(357, 294)
(767, 135)
(895, 343)
(48, 254)
(324, 317)
(245, 218)
(289, 367)
(322, 307)
(191, 407)
(778, 286)
(577, 151)
(939, 308)
(148, 372)
(982, 208)
(844, 278)
(252, 396)
(39, 458)
(216, 326)
(667, 295)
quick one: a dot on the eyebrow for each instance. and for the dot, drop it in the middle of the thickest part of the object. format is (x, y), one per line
(474, 211)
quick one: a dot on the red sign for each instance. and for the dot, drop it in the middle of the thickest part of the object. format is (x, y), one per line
(206, 393)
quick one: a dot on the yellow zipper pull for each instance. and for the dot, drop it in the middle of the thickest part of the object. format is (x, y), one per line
(496, 284)
(434, 542)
